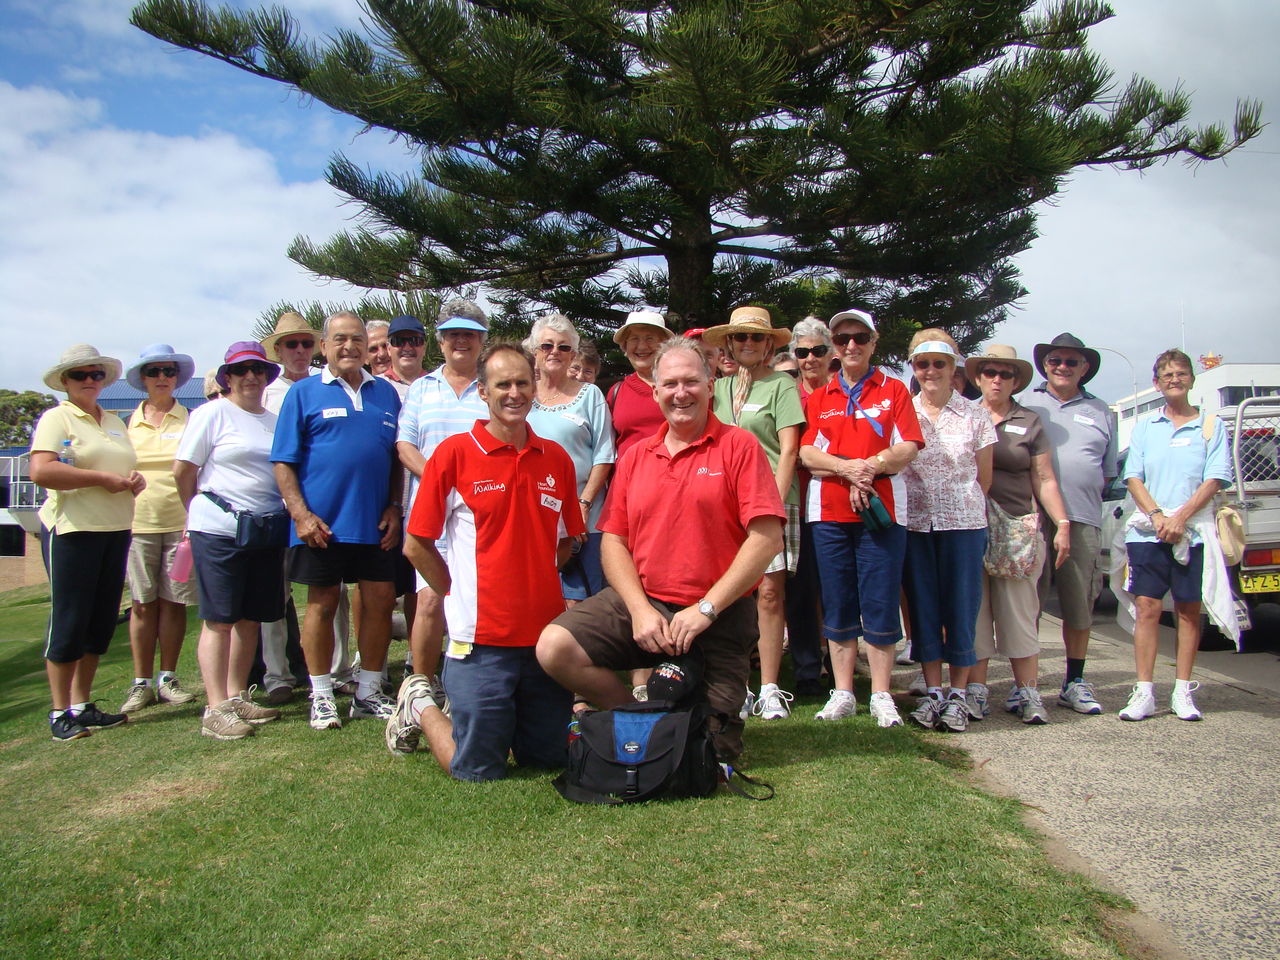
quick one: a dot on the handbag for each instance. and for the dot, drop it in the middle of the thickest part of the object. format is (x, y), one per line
(1013, 544)
(256, 531)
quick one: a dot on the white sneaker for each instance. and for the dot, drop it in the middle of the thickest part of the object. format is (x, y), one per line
(1078, 695)
(918, 688)
(903, 657)
(975, 695)
(1013, 702)
(1140, 706)
(885, 710)
(840, 704)
(1184, 708)
(324, 713)
(640, 693)
(773, 703)
(1032, 710)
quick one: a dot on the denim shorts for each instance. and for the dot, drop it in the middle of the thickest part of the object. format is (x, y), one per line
(943, 580)
(1153, 572)
(503, 702)
(860, 573)
(583, 575)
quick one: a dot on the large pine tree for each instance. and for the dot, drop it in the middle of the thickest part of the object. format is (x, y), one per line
(890, 152)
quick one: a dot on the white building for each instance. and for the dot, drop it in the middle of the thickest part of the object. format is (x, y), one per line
(1222, 386)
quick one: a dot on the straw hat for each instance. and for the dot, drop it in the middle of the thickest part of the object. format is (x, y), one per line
(289, 323)
(1000, 353)
(642, 318)
(747, 320)
(160, 353)
(81, 355)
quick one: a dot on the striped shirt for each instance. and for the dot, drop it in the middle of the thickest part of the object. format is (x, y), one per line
(432, 412)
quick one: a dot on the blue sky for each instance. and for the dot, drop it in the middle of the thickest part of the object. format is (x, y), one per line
(148, 194)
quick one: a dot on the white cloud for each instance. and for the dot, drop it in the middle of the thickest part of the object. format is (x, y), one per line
(121, 239)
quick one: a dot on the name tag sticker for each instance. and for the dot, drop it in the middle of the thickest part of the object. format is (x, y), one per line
(114, 433)
(330, 412)
(1180, 442)
(1010, 428)
(170, 436)
(752, 407)
(1087, 421)
(552, 502)
(576, 420)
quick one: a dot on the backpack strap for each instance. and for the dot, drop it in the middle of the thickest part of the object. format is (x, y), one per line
(728, 775)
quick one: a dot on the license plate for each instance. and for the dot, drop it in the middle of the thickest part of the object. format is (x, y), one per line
(1260, 582)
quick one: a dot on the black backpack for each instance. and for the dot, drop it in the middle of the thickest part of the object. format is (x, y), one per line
(641, 751)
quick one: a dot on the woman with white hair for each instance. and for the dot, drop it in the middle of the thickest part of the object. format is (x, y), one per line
(812, 348)
(574, 415)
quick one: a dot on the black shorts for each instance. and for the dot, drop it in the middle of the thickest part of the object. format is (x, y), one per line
(86, 580)
(237, 584)
(341, 563)
(406, 576)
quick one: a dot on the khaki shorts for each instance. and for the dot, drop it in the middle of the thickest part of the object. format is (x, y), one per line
(150, 560)
(1078, 579)
(788, 558)
(1008, 618)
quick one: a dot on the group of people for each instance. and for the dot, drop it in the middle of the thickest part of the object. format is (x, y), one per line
(747, 490)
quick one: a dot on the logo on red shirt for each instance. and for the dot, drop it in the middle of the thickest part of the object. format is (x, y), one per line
(488, 486)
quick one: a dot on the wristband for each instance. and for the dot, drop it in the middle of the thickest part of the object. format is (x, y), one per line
(584, 502)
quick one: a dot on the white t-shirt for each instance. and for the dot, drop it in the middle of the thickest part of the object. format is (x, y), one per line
(232, 448)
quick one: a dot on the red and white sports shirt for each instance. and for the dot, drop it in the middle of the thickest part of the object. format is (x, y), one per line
(503, 512)
(831, 430)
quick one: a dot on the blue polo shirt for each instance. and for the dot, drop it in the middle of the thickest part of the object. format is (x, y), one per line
(342, 444)
(1173, 462)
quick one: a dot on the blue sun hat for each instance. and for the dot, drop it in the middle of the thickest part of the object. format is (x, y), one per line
(160, 353)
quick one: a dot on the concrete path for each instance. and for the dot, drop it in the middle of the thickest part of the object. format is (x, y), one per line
(1183, 818)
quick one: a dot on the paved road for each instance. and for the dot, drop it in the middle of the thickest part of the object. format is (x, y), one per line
(1181, 817)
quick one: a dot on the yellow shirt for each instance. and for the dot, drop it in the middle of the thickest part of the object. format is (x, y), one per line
(158, 508)
(96, 446)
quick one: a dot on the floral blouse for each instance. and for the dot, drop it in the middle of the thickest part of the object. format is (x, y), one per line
(942, 482)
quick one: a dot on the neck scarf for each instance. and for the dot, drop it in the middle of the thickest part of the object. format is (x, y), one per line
(852, 393)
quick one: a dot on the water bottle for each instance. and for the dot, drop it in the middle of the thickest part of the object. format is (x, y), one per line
(180, 572)
(67, 456)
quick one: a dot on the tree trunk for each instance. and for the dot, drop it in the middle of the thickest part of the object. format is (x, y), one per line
(689, 266)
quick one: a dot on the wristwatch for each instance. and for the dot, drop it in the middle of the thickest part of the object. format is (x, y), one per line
(1152, 515)
(707, 608)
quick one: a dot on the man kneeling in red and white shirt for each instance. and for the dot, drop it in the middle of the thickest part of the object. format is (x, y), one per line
(506, 501)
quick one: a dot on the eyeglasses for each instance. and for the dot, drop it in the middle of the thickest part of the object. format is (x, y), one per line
(861, 338)
(1057, 361)
(159, 371)
(744, 337)
(802, 353)
(923, 364)
(548, 347)
(1174, 377)
(79, 376)
(240, 369)
(408, 340)
(995, 374)
(295, 344)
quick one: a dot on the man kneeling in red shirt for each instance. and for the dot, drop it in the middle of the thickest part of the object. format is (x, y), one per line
(506, 501)
(693, 519)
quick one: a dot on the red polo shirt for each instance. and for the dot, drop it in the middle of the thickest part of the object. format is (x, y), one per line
(504, 512)
(832, 431)
(685, 517)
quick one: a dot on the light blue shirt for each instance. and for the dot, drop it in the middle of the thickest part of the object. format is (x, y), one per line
(583, 428)
(1172, 462)
(432, 411)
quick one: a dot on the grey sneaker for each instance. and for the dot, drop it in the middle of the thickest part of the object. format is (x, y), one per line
(140, 695)
(840, 704)
(403, 730)
(954, 717)
(279, 696)
(748, 705)
(1032, 708)
(221, 723)
(250, 712)
(438, 694)
(324, 713)
(885, 710)
(376, 704)
(976, 696)
(170, 691)
(927, 712)
(1078, 695)
(1013, 702)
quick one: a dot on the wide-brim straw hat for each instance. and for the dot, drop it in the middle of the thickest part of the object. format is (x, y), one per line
(160, 353)
(1070, 342)
(289, 323)
(1000, 353)
(642, 318)
(81, 355)
(747, 320)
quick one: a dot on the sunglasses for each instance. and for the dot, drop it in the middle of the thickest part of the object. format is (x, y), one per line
(240, 369)
(408, 340)
(82, 375)
(1071, 362)
(862, 338)
(801, 353)
(926, 364)
(548, 347)
(159, 371)
(744, 337)
(995, 374)
(295, 344)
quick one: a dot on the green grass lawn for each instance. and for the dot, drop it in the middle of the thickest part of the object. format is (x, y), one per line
(151, 841)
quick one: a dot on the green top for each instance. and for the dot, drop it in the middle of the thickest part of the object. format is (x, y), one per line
(772, 405)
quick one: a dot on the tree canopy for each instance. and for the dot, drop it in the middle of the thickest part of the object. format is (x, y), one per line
(594, 155)
(19, 413)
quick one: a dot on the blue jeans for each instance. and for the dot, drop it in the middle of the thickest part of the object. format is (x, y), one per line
(860, 573)
(501, 700)
(944, 591)
(583, 575)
